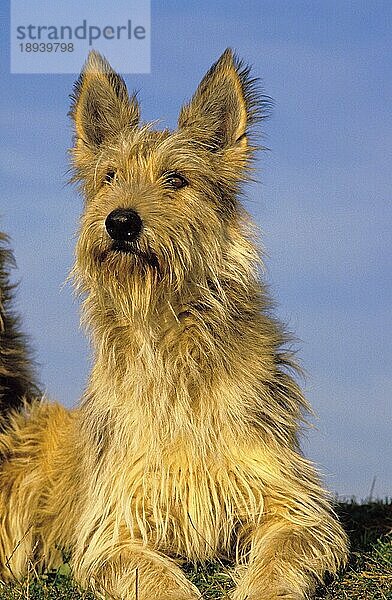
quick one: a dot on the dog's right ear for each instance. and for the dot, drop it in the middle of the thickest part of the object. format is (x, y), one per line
(101, 107)
(225, 106)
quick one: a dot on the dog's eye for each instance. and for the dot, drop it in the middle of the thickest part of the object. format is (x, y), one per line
(175, 181)
(110, 175)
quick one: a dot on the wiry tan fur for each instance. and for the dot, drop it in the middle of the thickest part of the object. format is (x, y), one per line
(185, 445)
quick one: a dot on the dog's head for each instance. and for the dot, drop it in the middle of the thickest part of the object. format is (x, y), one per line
(161, 211)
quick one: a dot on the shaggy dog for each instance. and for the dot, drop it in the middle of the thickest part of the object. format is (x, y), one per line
(185, 445)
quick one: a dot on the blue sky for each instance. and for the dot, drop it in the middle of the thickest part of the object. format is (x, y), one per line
(323, 201)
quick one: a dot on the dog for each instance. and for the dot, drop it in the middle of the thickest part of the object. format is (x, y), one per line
(185, 444)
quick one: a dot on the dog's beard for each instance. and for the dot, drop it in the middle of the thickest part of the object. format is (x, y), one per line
(131, 273)
(118, 278)
(136, 279)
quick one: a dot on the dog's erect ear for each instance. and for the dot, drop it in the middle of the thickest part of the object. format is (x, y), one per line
(101, 107)
(224, 106)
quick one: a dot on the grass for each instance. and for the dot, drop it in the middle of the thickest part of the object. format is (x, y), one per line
(369, 573)
(367, 577)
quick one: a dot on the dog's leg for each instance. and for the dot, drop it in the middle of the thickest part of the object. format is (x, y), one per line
(132, 571)
(297, 541)
(16, 549)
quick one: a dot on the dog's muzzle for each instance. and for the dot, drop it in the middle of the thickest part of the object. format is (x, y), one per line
(124, 225)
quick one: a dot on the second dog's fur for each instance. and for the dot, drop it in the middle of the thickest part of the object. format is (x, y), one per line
(185, 445)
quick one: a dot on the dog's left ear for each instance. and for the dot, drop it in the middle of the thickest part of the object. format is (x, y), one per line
(101, 106)
(224, 106)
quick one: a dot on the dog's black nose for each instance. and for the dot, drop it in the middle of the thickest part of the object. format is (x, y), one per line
(123, 225)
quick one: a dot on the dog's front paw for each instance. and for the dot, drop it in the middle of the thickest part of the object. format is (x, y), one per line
(169, 585)
(266, 593)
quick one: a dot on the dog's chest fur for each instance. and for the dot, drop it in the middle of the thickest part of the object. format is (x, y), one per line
(188, 488)
(187, 507)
